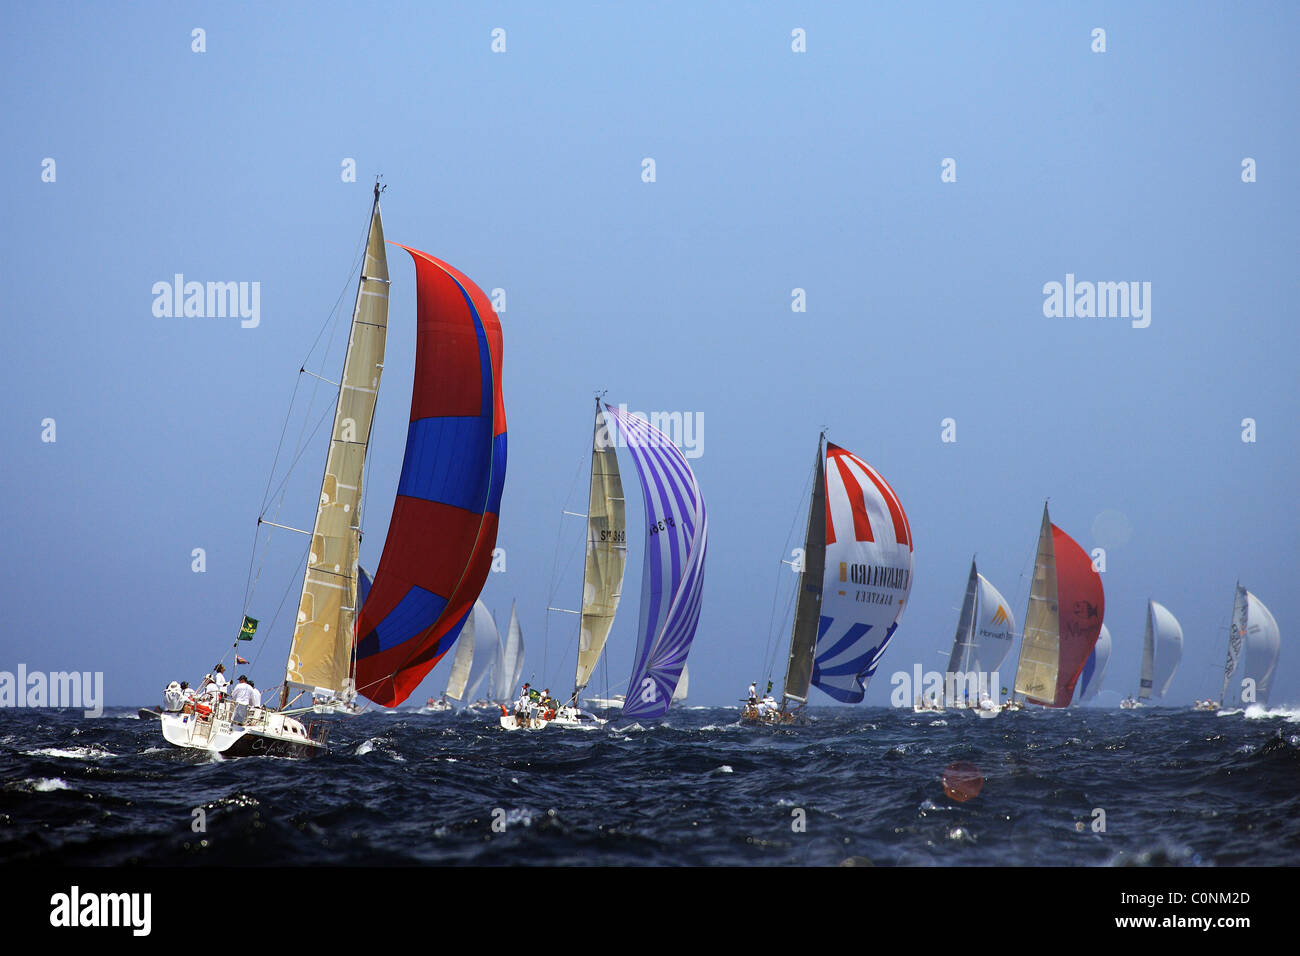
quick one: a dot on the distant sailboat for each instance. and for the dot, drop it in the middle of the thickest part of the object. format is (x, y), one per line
(1094, 672)
(673, 568)
(1162, 649)
(1063, 621)
(853, 587)
(1248, 678)
(985, 631)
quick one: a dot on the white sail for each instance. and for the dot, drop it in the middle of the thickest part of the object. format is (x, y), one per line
(486, 637)
(510, 661)
(1263, 644)
(1162, 649)
(1248, 677)
(683, 687)
(320, 655)
(1094, 672)
(461, 663)
(985, 631)
(602, 580)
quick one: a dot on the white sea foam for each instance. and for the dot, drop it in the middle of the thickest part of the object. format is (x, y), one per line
(1256, 712)
(725, 768)
(90, 752)
(45, 784)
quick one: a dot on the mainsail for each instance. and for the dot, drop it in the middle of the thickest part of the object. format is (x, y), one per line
(1162, 649)
(602, 579)
(320, 655)
(985, 631)
(458, 677)
(1094, 672)
(1063, 620)
(444, 524)
(867, 575)
(486, 639)
(808, 600)
(1254, 629)
(672, 580)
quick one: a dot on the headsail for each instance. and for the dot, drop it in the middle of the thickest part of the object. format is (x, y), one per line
(1255, 630)
(672, 579)
(444, 524)
(1094, 671)
(1162, 649)
(867, 578)
(1063, 621)
(602, 580)
(808, 602)
(320, 655)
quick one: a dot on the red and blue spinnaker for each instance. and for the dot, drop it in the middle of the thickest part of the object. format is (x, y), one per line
(443, 530)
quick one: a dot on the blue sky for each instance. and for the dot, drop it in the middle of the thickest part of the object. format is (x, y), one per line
(775, 170)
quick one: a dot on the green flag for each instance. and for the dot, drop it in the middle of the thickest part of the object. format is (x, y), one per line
(250, 627)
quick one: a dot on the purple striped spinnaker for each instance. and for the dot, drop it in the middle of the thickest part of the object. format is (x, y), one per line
(672, 575)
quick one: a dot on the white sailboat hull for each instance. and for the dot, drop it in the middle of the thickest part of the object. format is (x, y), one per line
(262, 733)
(567, 717)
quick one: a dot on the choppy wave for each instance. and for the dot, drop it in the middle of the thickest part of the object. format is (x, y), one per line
(697, 787)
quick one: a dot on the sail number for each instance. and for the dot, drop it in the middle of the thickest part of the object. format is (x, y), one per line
(663, 525)
(618, 537)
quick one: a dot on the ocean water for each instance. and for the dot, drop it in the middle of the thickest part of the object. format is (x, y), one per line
(1077, 788)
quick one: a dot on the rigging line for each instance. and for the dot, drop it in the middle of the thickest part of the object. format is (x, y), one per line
(330, 320)
(283, 485)
(271, 627)
(769, 652)
(555, 562)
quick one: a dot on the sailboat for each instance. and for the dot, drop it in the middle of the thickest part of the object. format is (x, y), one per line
(1248, 678)
(672, 576)
(381, 641)
(1094, 671)
(853, 586)
(1162, 649)
(472, 663)
(1063, 620)
(985, 631)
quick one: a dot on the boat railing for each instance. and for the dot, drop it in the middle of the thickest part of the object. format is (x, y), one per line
(319, 731)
